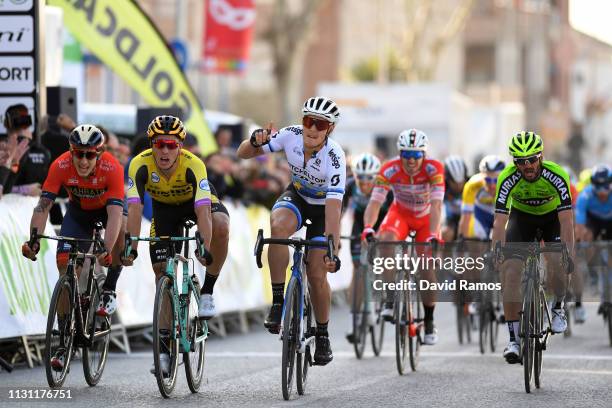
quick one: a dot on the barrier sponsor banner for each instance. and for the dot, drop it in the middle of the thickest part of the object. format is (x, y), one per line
(122, 36)
(25, 286)
(228, 35)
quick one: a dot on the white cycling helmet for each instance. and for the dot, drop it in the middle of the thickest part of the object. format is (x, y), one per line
(86, 136)
(322, 107)
(412, 139)
(455, 168)
(491, 162)
(366, 164)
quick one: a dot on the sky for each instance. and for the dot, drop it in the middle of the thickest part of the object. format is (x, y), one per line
(593, 17)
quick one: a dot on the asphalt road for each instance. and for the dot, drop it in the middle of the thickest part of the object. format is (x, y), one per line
(244, 370)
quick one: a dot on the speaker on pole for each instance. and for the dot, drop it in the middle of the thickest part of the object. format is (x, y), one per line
(144, 116)
(62, 100)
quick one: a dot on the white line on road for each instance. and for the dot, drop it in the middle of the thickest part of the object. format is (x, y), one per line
(349, 355)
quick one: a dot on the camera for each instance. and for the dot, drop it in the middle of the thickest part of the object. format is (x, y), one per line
(16, 117)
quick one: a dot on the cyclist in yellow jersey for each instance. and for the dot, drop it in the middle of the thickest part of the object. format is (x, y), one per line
(477, 209)
(177, 182)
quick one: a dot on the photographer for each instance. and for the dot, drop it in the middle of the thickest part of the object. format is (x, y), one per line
(25, 171)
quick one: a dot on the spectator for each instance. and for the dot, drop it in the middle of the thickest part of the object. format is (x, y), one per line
(191, 144)
(223, 136)
(55, 136)
(124, 152)
(29, 160)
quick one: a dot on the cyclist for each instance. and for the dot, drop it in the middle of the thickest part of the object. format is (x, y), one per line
(178, 185)
(455, 177)
(594, 214)
(94, 182)
(477, 207)
(318, 174)
(417, 183)
(532, 194)
(358, 191)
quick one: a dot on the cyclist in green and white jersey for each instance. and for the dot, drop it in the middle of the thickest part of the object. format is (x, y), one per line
(532, 194)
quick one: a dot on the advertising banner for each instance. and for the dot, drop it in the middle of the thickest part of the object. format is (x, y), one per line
(228, 35)
(121, 35)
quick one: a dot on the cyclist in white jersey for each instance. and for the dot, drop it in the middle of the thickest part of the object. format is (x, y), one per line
(318, 178)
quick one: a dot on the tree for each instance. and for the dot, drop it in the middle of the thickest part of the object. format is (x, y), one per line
(288, 34)
(421, 52)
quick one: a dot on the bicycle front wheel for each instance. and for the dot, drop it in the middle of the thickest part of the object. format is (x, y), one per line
(165, 344)
(484, 321)
(59, 338)
(98, 328)
(539, 329)
(360, 318)
(305, 360)
(377, 330)
(290, 337)
(528, 323)
(415, 324)
(400, 314)
(197, 333)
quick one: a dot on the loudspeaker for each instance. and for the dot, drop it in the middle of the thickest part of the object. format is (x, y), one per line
(144, 116)
(62, 100)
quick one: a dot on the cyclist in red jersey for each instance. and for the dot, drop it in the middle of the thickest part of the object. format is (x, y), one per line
(417, 183)
(94, 182)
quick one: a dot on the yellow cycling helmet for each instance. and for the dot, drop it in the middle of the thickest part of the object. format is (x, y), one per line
(166, 125)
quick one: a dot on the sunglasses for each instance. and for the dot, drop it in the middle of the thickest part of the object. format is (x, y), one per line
(411, 154)
(170, 144)
(89, 154)
(365, 177)
(320, 124)
(20, 138)
(527, 160)
(491, 180)
(601, 187)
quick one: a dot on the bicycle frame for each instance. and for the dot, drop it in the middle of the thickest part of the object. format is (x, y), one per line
(76, 259)
(298, 272)
(181, 301)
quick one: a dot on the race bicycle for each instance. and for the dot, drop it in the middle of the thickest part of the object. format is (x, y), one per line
(297, 324)
(535, 317)
(408, 315)
(366, 312)
(72, 321)
(177, 328)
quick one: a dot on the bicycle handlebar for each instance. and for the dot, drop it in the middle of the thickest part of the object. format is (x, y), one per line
(198, 238)
(97, 240)
(522, 250)
(294, 242)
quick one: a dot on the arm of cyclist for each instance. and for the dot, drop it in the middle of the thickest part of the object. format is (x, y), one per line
(566, 219)
(137, 178)
(133, 228)
(435, 218)
(499, 229)
(333, 210)
(581, 231)
(114, 209)
(38, 221)
(369, 218)
(252, 147)
(113, 226)
(464, 223)
(204, 221)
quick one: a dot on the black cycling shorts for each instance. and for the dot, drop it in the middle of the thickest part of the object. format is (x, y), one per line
(599, 226)
(522, 227)
(311, 216)
(168, 220)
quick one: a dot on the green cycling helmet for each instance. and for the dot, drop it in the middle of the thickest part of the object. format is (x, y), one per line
(525, 144)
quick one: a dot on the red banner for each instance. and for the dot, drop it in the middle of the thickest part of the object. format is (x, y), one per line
(228, 35)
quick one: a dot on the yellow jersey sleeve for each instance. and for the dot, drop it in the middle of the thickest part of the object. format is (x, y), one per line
(137, 178)
(470, 191)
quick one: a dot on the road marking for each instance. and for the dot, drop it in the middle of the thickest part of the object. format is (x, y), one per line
(349, 355)
(570, 371)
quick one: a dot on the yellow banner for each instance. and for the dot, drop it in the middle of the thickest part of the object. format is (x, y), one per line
(121, 35)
